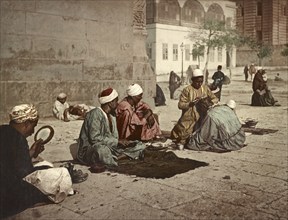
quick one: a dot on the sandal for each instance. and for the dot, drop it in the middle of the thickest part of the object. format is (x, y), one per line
(78, 176)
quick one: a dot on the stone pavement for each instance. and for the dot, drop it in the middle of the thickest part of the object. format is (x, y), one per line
(247, 184)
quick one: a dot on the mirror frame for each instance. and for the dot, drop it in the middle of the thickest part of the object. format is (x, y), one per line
(50, 135)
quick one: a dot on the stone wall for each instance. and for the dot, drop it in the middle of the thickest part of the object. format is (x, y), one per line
(247, 56)
(76, 47)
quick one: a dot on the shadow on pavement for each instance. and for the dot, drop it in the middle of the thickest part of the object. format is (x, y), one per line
(157, 164)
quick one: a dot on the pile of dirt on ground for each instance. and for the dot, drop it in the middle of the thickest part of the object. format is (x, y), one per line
(157, 164)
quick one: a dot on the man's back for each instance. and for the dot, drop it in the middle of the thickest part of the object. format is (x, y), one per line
(219, 131)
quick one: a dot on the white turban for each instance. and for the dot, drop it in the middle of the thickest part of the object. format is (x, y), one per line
(107, 95)
(197, 72)
(231, 103)
(24, 112)
(134, 89)
(62, 95)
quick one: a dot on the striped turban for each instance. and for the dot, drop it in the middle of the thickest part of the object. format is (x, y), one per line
(24, 112)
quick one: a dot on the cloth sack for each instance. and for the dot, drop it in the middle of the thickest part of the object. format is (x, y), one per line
(56, 183)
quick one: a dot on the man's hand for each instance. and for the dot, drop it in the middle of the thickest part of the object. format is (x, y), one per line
(124, 143)
(150, 121)
(194, 102)
(36, 148)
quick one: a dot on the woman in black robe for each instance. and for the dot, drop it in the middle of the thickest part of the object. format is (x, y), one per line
(262, 95)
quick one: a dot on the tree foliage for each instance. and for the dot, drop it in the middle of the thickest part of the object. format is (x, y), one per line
(198, 51)
(213, 34)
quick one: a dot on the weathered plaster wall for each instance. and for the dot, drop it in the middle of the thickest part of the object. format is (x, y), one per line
(76, 47)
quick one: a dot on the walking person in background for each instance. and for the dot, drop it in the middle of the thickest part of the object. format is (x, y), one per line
(218, 78)
(252, 71)
(246, 71)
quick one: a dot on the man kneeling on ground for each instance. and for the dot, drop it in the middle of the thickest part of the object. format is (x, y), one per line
(220, 129)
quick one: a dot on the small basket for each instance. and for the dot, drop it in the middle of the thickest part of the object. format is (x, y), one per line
(250, 123)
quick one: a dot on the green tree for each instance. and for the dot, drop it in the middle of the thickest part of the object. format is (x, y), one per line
(213, 34)
(262, 50)
(198, 51)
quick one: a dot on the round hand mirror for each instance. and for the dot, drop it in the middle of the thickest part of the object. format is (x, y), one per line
(45, 133)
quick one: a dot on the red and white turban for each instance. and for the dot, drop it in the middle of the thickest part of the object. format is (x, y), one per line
(134, 89)
(24, 112)
(107, 95)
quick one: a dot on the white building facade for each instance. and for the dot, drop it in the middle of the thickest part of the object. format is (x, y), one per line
(169, 24)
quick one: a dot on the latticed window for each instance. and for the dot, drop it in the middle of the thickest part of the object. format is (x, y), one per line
(175, 52)
(165, 51)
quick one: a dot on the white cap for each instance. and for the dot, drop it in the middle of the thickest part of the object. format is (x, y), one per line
(231, 104)
(62, 95)
(197, 72)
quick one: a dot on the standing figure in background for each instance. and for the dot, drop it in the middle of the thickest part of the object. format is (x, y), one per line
(160, 97)
(218, 78)
(189, 72)
(246, 71)
(174, 83)
(252, 71)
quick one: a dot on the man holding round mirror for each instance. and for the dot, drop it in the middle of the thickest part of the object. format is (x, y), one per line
(23, 185)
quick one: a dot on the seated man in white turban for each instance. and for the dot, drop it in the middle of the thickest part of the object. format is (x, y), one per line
(63, 111)
(23, 184)
(220, 129)
(187, 103)
(135, 119)
(99, 141)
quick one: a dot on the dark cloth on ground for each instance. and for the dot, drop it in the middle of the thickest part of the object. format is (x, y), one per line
(157, 164)
(15, 163)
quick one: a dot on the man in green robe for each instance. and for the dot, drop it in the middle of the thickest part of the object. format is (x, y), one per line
(98, 140)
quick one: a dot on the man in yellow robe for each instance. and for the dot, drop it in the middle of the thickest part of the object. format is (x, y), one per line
(188, 104)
